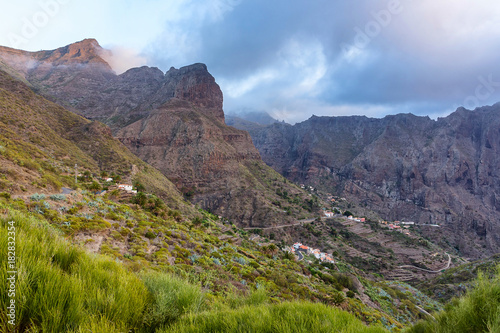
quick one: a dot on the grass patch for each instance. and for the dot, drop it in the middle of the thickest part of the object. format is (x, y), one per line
(478, 311)
(281, 318)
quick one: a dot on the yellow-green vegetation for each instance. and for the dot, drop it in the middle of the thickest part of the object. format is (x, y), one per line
(62, 288)
(297, 317)
(478, 311)
(224, 268)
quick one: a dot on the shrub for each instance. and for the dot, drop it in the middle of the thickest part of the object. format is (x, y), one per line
(58, 197)
(37, 197)
(240, 260)
(477, 311)
(276, 318)
(170, 298)
(150, 235)
(95, 186)
(337, 298)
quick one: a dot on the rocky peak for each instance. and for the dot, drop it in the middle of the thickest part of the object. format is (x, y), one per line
(195, 84)
(87, 51)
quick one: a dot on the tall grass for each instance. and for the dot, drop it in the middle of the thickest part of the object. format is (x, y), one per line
(60, 288)
(280, 318)
(170, 298)
(478, 311)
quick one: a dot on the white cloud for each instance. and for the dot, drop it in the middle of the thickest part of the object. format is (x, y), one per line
(301, 109)
(295, 72)
(238, 88)
(121, 58)
(304, 61)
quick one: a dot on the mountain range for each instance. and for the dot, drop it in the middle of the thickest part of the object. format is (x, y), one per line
(404, 167)
(437, 172)
(221, 198)
(174, 121)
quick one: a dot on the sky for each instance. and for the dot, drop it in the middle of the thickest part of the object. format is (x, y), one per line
(292, 58)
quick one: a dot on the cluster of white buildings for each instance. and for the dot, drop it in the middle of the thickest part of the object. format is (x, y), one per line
(315, 252)
(356, 219)
(126, 187)
(330, 214)
(399, 226)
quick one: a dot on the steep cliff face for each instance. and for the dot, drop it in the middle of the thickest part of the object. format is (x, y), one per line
(193, 148)
(404, 167)
(78, 77)
(174, 121)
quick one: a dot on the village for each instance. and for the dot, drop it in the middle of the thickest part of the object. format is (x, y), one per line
(300, 250)
(400, 226)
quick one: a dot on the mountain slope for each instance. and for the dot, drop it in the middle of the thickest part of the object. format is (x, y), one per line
(173, 121)
(404, 167)
(33, 128)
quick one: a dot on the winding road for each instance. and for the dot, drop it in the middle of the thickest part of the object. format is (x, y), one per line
(283, 226)
(429, 271)
(299, 254)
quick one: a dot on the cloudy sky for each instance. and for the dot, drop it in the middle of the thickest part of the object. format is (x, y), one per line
(292, 58)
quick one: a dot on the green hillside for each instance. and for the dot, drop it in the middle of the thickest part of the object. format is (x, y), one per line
(40, 143)
(114, 261)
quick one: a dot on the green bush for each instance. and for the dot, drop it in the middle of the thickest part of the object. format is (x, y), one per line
(478, 311)
(60, 288)
(280, 318)
(37, 197)
(170, 298)
(150, 235)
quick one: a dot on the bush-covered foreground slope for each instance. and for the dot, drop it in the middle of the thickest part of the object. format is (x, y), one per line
(282, 318)
(478, 311)
(62, 288)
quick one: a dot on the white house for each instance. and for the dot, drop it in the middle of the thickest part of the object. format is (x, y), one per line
(125, 187)
(109, 179)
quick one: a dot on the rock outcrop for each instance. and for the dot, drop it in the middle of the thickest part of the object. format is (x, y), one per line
(404, 167)
(173, 121)
(78, 77)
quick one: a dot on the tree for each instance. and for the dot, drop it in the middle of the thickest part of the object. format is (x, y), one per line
(140, 198)
(197, 221)
(288, 255)
(139, 187)
(87, 175)
(95, 186)
(270, 249)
